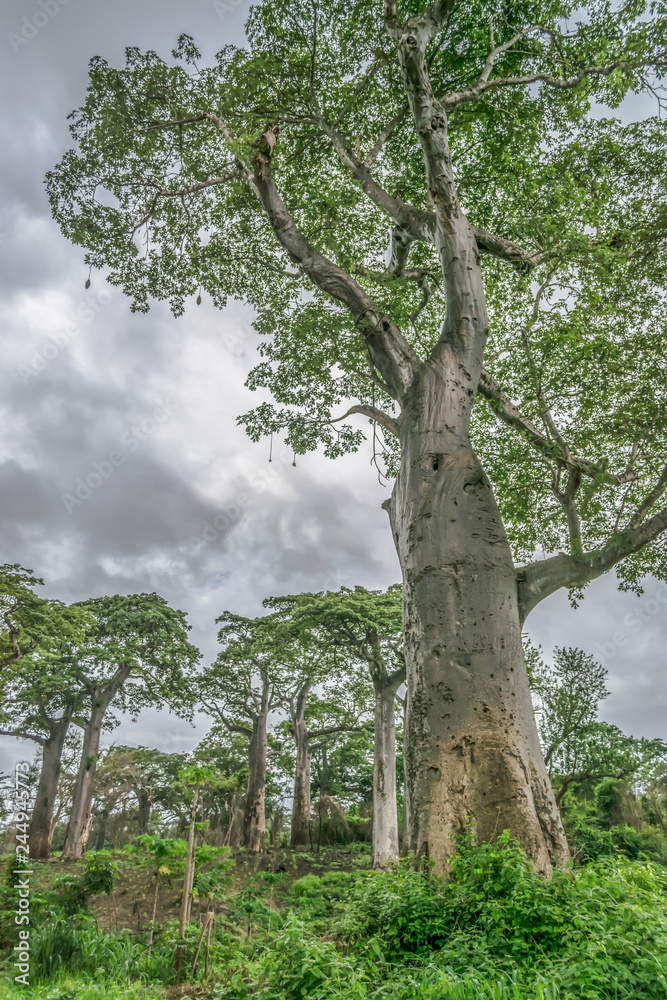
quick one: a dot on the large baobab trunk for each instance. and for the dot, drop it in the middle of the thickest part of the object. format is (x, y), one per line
(385, 815)
(472, 752)
(41, 821)
(473, 758)
(254, 818)
(300, 830)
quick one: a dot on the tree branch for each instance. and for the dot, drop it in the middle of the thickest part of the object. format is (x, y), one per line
(472, 94)
(391, 353)
(379, 416)
(541, 578)
(650, 500)
(21, 734)
(509, 414)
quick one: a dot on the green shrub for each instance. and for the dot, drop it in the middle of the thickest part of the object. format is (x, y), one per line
(603, 928)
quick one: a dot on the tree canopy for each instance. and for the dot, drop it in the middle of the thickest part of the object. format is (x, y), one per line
(567, 205)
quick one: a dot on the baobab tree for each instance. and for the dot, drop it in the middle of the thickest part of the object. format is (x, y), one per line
(507, 344)
(240, 690)
(137, 656)
(365, 625)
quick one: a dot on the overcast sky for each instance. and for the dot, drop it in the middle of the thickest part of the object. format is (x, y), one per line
(192, 509)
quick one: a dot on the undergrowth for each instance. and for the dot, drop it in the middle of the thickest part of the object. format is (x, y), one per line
(493, 930)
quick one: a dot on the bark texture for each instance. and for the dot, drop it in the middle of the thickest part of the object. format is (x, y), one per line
(80, 822)
(254, 817)
(41, 820)
(300, 829)
(385, 815)
(473, 757)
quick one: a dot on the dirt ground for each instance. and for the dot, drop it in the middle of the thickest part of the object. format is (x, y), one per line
(130, 904)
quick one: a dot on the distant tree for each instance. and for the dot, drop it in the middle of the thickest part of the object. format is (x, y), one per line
(227, 752)
(42, 698)
(240, 690)
(366, 625)
(577, 747)
(138, 656)
(317, 723)
(29, 623)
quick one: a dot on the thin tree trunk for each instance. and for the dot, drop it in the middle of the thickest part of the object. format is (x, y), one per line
(42, 819)
(406, 786)
(144, 810)
(385, 815)
(300, 831)
(101, 831)
(81, 815)
(254, 819)
(188, 880)
(473, 758)
(155, 897)
(276, 825)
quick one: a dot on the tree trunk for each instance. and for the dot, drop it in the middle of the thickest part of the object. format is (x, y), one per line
(188, 881)
(385, 815)
(41, 821)
(234, 833)
(254, 818)
(102, 821)
(300, 832)
(406, 786)
(473, 759)
(276, 825)
(144, 810)
(81, 815)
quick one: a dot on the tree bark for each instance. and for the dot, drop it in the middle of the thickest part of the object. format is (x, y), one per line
(385, 815)
(41, 821)
(472, 753)
(188, 881)
(144, 809)
(300, 831)
(254, 818)
(81, 815)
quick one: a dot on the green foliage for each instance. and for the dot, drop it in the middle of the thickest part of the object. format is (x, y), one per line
(585, 193)
(81, 989)
(317, 896)
(577, 748)
(80, 948)
(100, 872)
(31, 624)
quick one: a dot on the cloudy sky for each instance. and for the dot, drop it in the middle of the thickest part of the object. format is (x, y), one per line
(190, 508)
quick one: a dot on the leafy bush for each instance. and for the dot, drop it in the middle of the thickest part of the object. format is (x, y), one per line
(319, 895)
(599, 932)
